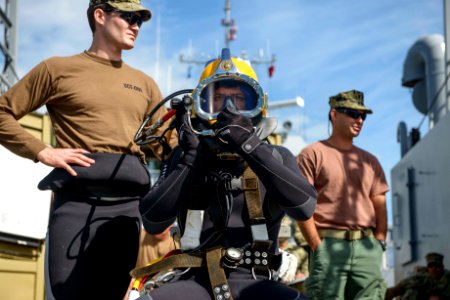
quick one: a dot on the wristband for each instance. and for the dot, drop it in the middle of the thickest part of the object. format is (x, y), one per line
(251, 143)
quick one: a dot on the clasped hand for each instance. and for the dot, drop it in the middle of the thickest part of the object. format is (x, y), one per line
(232, 127)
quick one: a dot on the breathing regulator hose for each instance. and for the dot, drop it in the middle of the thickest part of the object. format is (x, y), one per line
(144, 136)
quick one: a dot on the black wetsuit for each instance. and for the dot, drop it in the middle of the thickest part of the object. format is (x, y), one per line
(94, 245)
(283, 190)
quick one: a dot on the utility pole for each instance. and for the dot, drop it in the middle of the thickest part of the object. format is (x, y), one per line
(231, 35)
(228, 23)
(8, 45)
(447, 52)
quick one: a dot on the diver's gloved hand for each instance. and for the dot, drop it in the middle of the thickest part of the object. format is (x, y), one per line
(187, 139)
(235, 129)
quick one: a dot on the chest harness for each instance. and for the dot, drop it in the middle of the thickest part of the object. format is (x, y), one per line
(255, 257)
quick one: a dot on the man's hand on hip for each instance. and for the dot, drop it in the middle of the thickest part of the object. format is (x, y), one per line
(61, 158)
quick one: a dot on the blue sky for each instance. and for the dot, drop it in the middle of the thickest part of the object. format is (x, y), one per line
(322, 48)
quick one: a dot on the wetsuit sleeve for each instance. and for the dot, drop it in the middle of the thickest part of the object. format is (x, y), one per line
(160, 206)
(282, 179)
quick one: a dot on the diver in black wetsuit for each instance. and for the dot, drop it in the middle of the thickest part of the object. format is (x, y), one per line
(210, 187)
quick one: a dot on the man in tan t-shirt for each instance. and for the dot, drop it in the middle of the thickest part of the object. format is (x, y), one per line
(96, 103)
(348, 230)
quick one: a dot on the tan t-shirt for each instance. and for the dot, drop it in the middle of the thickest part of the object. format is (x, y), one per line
(345, 181)
(94, 104)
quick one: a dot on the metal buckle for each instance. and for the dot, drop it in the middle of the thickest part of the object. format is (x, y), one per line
(165, 277)
(161, 279)
(268, 270)
(348, 235)
(147, 287)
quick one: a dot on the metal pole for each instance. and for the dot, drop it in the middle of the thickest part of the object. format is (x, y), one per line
(9, 19)
(298, 101)
(227, 23)
(447, 54)
(158, 47)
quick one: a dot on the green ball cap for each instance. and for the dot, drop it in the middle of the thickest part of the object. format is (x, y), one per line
(350, 99)
(435, 258)
(126, 5)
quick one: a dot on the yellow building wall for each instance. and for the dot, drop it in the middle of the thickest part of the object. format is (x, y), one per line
(21, 266)
(40, 126)
(21, 272)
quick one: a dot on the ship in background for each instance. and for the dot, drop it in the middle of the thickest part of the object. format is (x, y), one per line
(421, 179)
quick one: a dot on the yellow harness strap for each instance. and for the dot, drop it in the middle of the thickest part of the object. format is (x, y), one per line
(261, 243)
(185, 260)
(212, 257)
(217, 277)
(251, 192)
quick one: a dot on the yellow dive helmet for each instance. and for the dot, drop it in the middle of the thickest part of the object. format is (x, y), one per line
(238, 79)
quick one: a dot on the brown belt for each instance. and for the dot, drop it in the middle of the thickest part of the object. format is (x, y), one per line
(349, 235)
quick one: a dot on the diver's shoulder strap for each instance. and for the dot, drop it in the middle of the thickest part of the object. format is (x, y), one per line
(250, 186)
(261, 243)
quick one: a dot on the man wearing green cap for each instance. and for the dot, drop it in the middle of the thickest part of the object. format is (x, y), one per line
(348, 229)
(96, 103)
(432, 284)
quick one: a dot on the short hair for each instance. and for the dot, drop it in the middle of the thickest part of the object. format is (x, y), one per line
(90, 13)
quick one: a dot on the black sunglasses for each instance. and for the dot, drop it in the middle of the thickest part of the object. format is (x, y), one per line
(130, 17)
(354, 114)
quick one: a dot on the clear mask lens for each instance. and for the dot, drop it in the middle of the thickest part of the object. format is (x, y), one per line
(220, 94)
